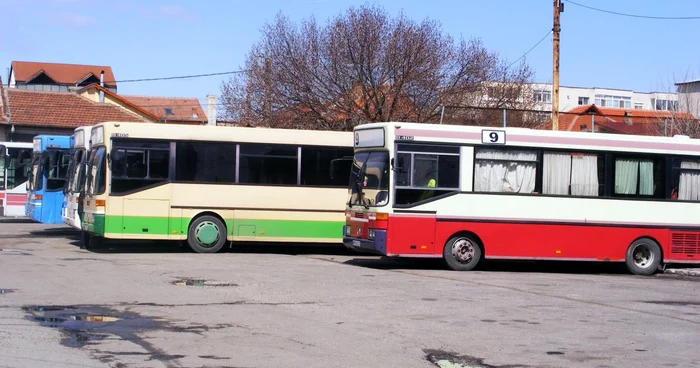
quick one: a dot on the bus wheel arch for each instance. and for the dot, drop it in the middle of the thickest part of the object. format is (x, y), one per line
(644, 256)
(463, 251)
(206, 233)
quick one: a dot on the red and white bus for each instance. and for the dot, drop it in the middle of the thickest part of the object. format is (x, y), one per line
(465, 193)
(15, 163)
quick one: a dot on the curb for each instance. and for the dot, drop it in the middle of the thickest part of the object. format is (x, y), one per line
(694, 272)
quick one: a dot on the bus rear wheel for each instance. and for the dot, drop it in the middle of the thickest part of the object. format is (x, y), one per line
(643, 257)
(462, 252)
(207, 234)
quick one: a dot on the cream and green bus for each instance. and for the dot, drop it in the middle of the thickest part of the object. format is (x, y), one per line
(209, 185)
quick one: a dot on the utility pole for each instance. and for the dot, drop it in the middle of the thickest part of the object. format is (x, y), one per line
(558, 8)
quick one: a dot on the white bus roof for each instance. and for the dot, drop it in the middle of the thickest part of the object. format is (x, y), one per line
(227, 134)
(463, 134)
(17, 144)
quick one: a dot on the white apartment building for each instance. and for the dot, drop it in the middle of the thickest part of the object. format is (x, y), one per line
(571, 97)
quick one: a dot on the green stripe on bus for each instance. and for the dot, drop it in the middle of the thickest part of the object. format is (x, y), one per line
(288, 228)
(241, 227)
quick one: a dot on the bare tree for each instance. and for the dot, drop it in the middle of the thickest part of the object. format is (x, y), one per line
(361, 66)
(680, 114)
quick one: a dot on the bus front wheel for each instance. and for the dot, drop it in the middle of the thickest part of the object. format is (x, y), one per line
(207, 234)
(89, 241)
(643, 257)
(462, 252)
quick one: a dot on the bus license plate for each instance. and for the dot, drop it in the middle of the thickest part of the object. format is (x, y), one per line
(355, 243)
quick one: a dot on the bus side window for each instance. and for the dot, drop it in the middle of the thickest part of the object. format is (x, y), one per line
(686, 179)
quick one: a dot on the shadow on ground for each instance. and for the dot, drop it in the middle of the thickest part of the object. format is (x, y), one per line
(365, 260)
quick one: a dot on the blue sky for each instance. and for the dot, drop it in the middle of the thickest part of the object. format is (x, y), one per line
(159, 38)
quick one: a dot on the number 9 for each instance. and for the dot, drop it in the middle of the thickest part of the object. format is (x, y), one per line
(494, 137)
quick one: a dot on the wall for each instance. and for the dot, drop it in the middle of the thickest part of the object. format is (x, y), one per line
(93, 94)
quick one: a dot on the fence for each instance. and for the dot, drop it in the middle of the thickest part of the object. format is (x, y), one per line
(581, 119)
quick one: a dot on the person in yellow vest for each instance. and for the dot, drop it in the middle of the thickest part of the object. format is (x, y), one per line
(428, 193)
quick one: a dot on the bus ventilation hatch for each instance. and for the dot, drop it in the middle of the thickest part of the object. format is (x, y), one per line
(685, 243)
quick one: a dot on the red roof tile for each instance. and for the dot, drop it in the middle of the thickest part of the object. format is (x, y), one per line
(61, 109)
(617, 120)
(65, 74)
(182, 108)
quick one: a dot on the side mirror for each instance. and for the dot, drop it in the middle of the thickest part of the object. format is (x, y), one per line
(381, 198)
(396, 167)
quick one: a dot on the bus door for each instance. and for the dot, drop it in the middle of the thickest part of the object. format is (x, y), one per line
(134, 169)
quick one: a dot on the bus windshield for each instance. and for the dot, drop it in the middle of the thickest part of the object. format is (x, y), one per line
(76, 171)
(57, 169)
(35, 181)
(369, 179)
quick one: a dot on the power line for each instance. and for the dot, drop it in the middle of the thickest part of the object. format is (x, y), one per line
(528, 51)
(176, 77)
(632, 15)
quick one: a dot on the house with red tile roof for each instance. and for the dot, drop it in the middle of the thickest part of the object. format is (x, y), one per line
(589, 118)
(169, 110)
(39, 112)
(59, 77)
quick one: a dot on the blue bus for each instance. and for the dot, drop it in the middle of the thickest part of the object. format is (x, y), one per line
(47, 178)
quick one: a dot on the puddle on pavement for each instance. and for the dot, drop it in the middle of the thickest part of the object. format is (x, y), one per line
(6, 291)
(202, 282)
(88, 324)
(445, 359)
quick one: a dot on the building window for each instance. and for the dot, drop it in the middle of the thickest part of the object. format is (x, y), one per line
(613, 101)
(583, 100)
(665, 105)
(639, 105)
(542, 96)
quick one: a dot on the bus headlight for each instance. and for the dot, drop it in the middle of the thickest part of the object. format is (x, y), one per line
(371, 233)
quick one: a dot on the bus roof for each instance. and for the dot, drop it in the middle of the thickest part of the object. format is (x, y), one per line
(225, 134)
(16, 144)
(538, 138)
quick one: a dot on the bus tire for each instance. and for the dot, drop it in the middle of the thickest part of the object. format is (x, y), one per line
(462, 252)
(84, 240)
(643, 257)
(206, 234)
(89, 241)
